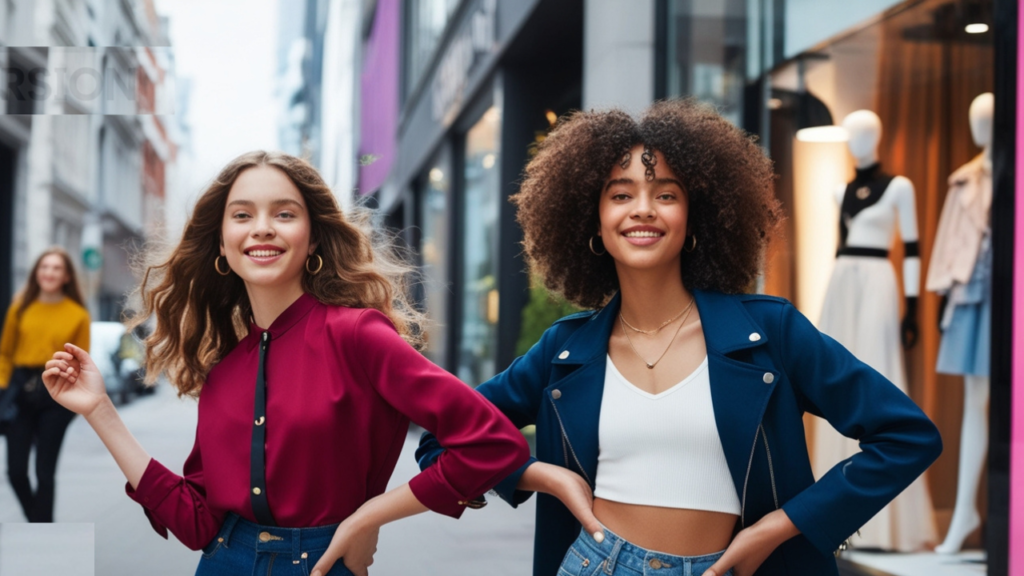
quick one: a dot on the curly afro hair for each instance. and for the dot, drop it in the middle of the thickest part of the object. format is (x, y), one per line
(729, 184)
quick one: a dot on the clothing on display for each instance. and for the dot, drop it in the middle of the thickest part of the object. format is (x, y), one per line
(861, 312)
(961, 267)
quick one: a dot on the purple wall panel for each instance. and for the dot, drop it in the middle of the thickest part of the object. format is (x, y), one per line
(379, 96)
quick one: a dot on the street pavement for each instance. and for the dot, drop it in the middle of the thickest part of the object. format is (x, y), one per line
(91, 503)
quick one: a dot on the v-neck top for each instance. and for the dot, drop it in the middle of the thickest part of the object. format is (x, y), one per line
(341, 388)
(662, 449)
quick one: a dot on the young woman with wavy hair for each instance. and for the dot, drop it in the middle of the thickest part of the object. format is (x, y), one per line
(48, 312)
(288, 320)
(670, 418)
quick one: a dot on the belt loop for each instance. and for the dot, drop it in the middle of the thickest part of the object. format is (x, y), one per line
(228, 527)
(296, 544)
(609, 565)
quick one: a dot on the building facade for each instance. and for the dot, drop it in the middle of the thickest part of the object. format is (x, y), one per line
(89, 153)
(454, 93)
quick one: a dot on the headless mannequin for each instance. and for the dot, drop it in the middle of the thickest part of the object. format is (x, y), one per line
(861, 311)
(974, 430)
(869, 188)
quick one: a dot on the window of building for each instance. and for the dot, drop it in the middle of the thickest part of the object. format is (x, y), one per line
(707, 53)
(426, 21)
(479, 291)
(434, 210)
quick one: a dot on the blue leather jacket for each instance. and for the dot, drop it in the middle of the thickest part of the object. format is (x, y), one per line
(768, 365)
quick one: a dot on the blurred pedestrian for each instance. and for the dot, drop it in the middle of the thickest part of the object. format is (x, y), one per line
(290, 323)
(45, 315)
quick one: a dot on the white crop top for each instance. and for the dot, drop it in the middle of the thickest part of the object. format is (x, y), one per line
(662, 449)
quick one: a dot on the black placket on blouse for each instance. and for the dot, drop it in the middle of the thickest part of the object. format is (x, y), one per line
(258, 452)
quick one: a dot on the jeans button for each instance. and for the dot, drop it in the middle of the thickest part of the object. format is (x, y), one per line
(655, 563)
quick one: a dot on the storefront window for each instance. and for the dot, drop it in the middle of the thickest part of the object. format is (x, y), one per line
(870, 133)
(479, 294)
(434, 209)
(426, 21)
(707, 51)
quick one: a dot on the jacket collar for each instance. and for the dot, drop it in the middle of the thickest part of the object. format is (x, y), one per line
(732, 328)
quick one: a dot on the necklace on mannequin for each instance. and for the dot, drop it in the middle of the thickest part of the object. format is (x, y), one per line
(651, 365)
(663, 324)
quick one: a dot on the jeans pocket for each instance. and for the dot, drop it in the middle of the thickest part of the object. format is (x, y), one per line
(580, 562)
(210, 550)
(313, 556)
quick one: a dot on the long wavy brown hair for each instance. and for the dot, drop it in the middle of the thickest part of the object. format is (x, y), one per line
(32, 289)
(201, 315)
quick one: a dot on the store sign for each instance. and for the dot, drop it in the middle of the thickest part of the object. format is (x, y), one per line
(475, 40)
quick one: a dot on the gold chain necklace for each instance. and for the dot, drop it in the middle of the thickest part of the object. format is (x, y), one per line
(663, 324)
(651, 365)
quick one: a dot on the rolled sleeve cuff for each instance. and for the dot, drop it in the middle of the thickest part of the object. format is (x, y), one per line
(156, 484)
(805, 522)
(506, 489)
(434, 492)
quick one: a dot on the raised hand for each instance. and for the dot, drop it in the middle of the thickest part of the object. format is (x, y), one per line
(73, 380)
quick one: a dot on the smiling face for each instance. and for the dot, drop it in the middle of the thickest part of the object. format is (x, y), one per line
(643, 222)
(51, 274)
(265, 234)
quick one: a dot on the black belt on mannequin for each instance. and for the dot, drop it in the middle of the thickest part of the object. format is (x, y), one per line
(258, 452)
(856, 251)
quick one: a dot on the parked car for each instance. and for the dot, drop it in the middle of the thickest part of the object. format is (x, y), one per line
(118, 355)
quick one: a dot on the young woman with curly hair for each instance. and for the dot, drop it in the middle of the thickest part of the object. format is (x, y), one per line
(670, 418)
(289, 323)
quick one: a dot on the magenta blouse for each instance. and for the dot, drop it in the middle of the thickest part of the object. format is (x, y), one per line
(341, 388)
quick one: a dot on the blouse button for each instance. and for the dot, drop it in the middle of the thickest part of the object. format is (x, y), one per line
(256, 490)
(556, 394)
(768, 378)
(755, 337)
(563, 355)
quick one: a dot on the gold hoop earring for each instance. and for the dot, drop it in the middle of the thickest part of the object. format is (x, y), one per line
(596, 253)
(321, 264)
(693, 246)
(216, 265)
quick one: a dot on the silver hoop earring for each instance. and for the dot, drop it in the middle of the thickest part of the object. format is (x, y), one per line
(596, 253)
(693, 245)
(216, 265)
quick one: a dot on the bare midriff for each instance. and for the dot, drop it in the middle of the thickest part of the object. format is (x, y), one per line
(676, 531)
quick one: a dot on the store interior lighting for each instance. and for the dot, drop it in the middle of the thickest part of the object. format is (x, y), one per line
(976, 28)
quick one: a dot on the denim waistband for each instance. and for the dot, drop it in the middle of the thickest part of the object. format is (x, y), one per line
(619, 551)
(239, 531)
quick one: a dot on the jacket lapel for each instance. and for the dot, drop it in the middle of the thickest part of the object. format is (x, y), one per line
(739, 390)
(577, 387)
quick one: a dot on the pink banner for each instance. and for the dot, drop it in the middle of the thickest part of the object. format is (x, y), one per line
(1017, 373)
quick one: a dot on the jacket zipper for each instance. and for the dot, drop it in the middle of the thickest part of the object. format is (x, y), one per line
(750, 462)
(565, 441)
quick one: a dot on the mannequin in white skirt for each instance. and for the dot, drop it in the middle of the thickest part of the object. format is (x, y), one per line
(861, 312)
(961, 268)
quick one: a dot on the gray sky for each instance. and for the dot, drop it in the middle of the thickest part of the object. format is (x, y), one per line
(228, 49)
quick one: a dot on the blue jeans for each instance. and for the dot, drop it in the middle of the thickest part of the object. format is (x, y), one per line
(242, 547)
(616, 557)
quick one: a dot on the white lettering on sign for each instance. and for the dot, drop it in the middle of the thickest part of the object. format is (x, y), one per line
(472, 41)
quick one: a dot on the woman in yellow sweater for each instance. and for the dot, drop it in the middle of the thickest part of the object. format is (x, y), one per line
(45, 315)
